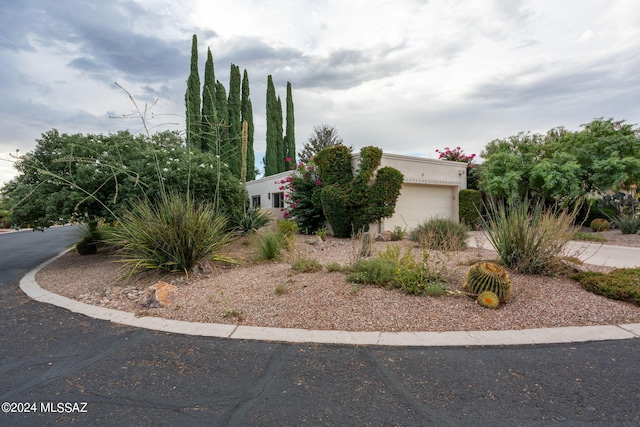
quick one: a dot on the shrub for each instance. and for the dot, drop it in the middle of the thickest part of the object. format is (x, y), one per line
(250, 220)
(171, 234)
(322, 233)
(307, 266)
(589, 237)
(374, 271)
(287, 230)
(470, 204)
(441, 234)
(87, 246)
(333, 266)
(600, 224)
(627, 222)
(622, 284)
(302, 191)
(528, 237)
(269, 245)
(398, 233)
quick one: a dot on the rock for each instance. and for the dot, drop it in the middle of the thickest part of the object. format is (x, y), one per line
(385, 236)
(202, 267)
(161, 294)
(315, 241)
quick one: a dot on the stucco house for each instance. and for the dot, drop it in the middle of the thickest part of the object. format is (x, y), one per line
(430, 189)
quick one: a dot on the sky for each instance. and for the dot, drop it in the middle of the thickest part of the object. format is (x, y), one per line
(408, 76)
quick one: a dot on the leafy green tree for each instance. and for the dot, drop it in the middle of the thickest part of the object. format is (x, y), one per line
(235, 123)
(90, 177)
(290, 135)
(192, 99)
(271, 156)
(210, 140)
(247, 116)
(323, 136)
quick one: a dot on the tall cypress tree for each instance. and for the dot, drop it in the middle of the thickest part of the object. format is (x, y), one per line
(223, 122)
(192, 99)
(281, 152)
(290, 137)
(209, 134)
(271, 155)
(235, 123)
(247, 116)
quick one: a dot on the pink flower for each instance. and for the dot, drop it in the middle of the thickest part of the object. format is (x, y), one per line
(288, 159)
(318, 182)
(281, 188)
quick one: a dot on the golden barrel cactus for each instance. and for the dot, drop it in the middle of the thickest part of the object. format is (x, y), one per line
(488, 276)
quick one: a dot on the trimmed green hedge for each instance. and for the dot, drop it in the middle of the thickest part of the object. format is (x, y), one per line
(470, 206)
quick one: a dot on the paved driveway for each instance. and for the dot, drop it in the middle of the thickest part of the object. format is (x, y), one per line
(130, 376)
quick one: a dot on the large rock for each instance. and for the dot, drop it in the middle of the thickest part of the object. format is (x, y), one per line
(158, 295)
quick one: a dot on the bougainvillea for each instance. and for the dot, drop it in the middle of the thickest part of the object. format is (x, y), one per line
(302, 197)
(455, 155)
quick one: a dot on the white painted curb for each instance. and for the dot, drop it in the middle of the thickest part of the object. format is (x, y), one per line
(572, 334)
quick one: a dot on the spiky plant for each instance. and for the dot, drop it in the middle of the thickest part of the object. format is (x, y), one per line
(488, 299)
(487, 276)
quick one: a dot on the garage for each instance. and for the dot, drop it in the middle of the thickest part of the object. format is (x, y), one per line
(418, 202)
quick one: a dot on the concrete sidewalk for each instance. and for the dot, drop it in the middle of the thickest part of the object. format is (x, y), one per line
(30, 287)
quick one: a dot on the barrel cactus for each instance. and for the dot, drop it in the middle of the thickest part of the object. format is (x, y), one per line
(488, 299)
(600, 224)
(87, 246)
(487, 276)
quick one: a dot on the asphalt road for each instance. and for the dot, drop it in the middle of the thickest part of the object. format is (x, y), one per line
(106, 374)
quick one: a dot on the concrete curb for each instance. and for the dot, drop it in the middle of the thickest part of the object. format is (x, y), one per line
(573, 334)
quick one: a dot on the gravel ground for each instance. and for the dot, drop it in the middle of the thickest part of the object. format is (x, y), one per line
(246, 294)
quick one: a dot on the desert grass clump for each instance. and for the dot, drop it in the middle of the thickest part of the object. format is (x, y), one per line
(304, 265)
(334, 266)
(269, 246)
(442, 234)
(172, 234)
(529, 237)
(626, 222)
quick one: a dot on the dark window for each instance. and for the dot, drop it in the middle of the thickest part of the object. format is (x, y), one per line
(278, 200)
(255, 201)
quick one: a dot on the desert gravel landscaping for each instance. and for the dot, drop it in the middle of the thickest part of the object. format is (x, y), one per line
(246, 294)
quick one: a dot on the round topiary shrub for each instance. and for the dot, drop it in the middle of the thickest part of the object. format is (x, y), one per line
(488, 299)
(487, 276)
(600, 224)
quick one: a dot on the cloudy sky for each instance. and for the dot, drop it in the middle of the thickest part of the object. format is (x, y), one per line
(408, 76)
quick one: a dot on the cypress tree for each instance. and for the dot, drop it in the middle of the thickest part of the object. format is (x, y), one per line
(223, 122)
(281, 152)
(247, 116)
(271, 155)
(209, 135)
(235, 123)
(192, 99)
(290, 137)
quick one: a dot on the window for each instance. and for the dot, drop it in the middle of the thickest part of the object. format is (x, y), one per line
(255, 202)
(278, 200)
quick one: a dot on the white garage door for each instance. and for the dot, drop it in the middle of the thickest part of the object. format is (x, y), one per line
(418, 202)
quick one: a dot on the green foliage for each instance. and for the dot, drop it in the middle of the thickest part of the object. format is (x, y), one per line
(251, 220)
(302, 191)
(323, 136)
(274, 138)
(192, 100)
(334, 266)
(487, 276)
(395, 270)
(5, 220)
(171, 234)
(604, 155)
(488, 299)
(232, 155)
(398, 233)
(87, 246)
(91, 177)
(247, 116)
(622, 284)
(269, 245)
(589, 237)
(322, 233)
(287, 230)
(290, 135)
(599, 224)
(470, 206)
(626, 222)
(353, 202)
(210, 140)
(306, 265)
(441, 234)
(528, 237)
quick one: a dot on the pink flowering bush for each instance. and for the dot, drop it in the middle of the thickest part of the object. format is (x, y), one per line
(302, 197)
(455, 155)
